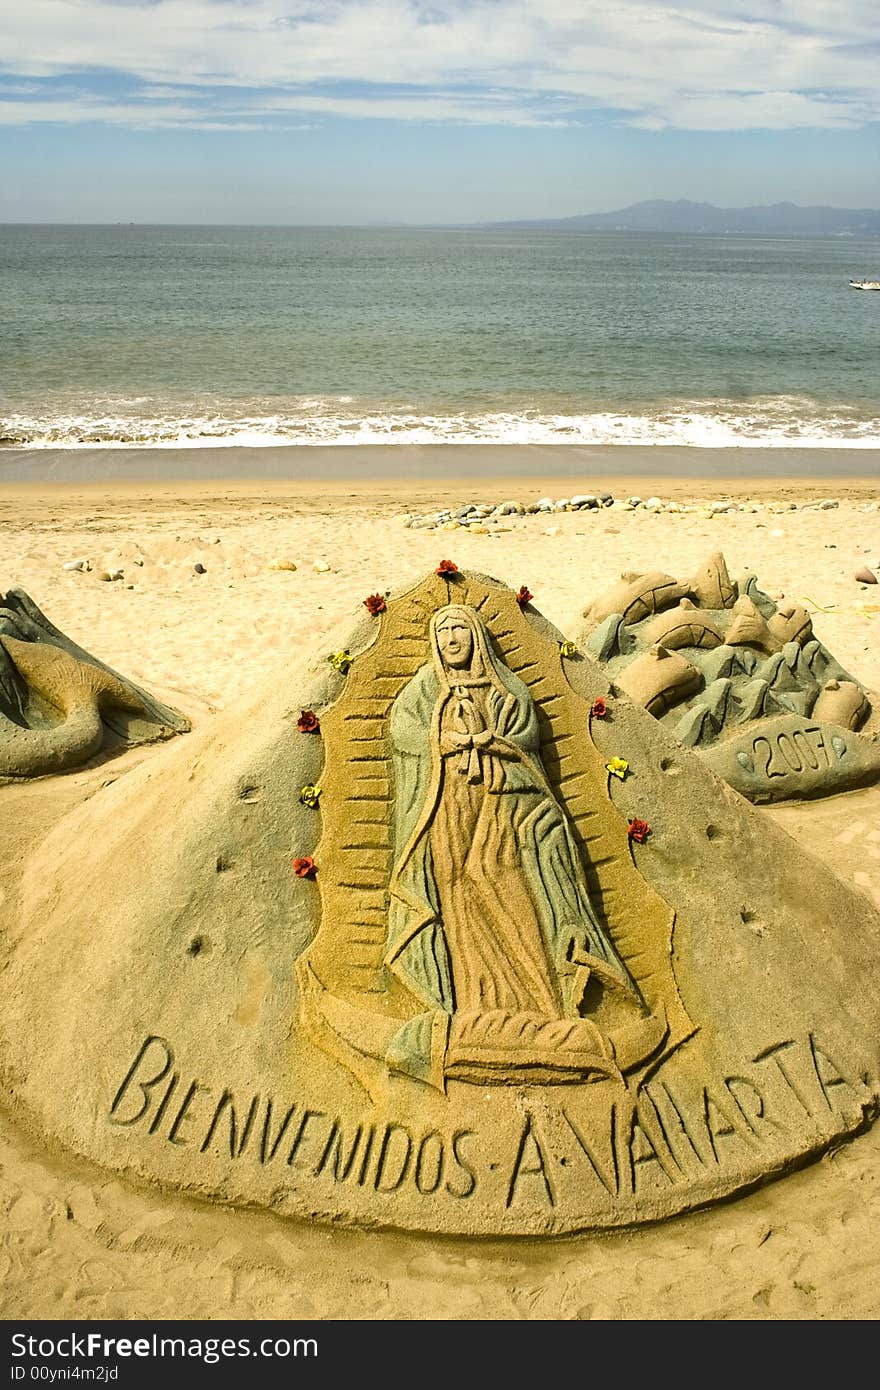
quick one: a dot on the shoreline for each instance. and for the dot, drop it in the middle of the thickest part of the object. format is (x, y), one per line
(302, 467)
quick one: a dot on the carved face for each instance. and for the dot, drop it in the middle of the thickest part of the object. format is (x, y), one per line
(455, 639)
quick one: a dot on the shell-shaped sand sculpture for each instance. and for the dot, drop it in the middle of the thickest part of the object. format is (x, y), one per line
(711, 586)
(841, 702)
(478, 1006)
(744, 663)
(683, 626)
(636, 597)
(791, 623)
(658, 679)
(60, 706)
(749, 628)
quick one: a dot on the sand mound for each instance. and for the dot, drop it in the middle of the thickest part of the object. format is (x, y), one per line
(266, 966)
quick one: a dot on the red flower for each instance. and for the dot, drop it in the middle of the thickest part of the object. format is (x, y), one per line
(524, 596)
(375, 604)
(599, 709)
(447, 567)
(638, 830)
(305, 867)
(308, 722)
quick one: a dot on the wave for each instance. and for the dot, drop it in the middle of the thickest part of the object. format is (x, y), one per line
(771, 422)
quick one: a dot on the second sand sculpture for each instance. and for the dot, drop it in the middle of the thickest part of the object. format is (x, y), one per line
(59, 705)
(407, 952)
(739, 678)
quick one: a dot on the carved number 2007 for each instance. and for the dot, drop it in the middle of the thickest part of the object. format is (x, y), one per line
(805, 748)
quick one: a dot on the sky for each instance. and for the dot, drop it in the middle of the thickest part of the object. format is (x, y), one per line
(426, 111)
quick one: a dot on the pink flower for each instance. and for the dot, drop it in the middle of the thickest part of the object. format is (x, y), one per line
(524, 596)
(305, 867)
(375, 604)
(638, 830)
(308, 722)
(599, 709)
(447, 568)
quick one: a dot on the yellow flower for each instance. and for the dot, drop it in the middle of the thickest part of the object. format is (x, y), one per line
(340, 661)
(310, 795)
(618, 767)
(568, 648)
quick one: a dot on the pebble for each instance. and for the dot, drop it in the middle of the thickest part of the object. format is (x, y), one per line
(865, 576)
(199, 568)
(283, 565)
(74, 565)
(470, 516)
(321, 567)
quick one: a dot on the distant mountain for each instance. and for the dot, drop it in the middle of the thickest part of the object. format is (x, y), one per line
(659, 215)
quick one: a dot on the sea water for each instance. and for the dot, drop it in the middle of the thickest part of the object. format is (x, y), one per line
(140, 335)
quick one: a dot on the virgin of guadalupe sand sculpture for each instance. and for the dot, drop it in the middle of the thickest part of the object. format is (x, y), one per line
(484, 1008)
(490, 928)
(490, 919)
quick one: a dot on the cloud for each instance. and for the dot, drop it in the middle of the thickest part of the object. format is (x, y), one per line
(700, 65)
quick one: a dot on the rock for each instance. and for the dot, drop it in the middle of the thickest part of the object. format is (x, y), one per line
(199, 568)
(828, 503)
(584, 500)
(552, 531)
(544, 504)
(73, 566)
(478, 529)
(283, 565)
(654, 504)
(321, 567)
(104, 575)
(606, 498)
(715, 508)
(561, 505)
(449, 526)
(865, 576)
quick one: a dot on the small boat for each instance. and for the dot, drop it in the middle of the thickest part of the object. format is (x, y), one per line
(864, 284)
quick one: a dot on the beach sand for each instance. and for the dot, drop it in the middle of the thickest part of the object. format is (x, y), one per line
(79, 1243)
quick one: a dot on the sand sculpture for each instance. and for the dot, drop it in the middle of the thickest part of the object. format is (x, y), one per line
(60, 706)
(438, 934)
(739, 678)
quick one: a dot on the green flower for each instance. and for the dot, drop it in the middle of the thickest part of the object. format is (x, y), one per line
(340, 661)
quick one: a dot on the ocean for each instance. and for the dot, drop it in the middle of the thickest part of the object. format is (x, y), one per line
(205, 336)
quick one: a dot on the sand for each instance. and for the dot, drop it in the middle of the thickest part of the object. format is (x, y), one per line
(78, 1243)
